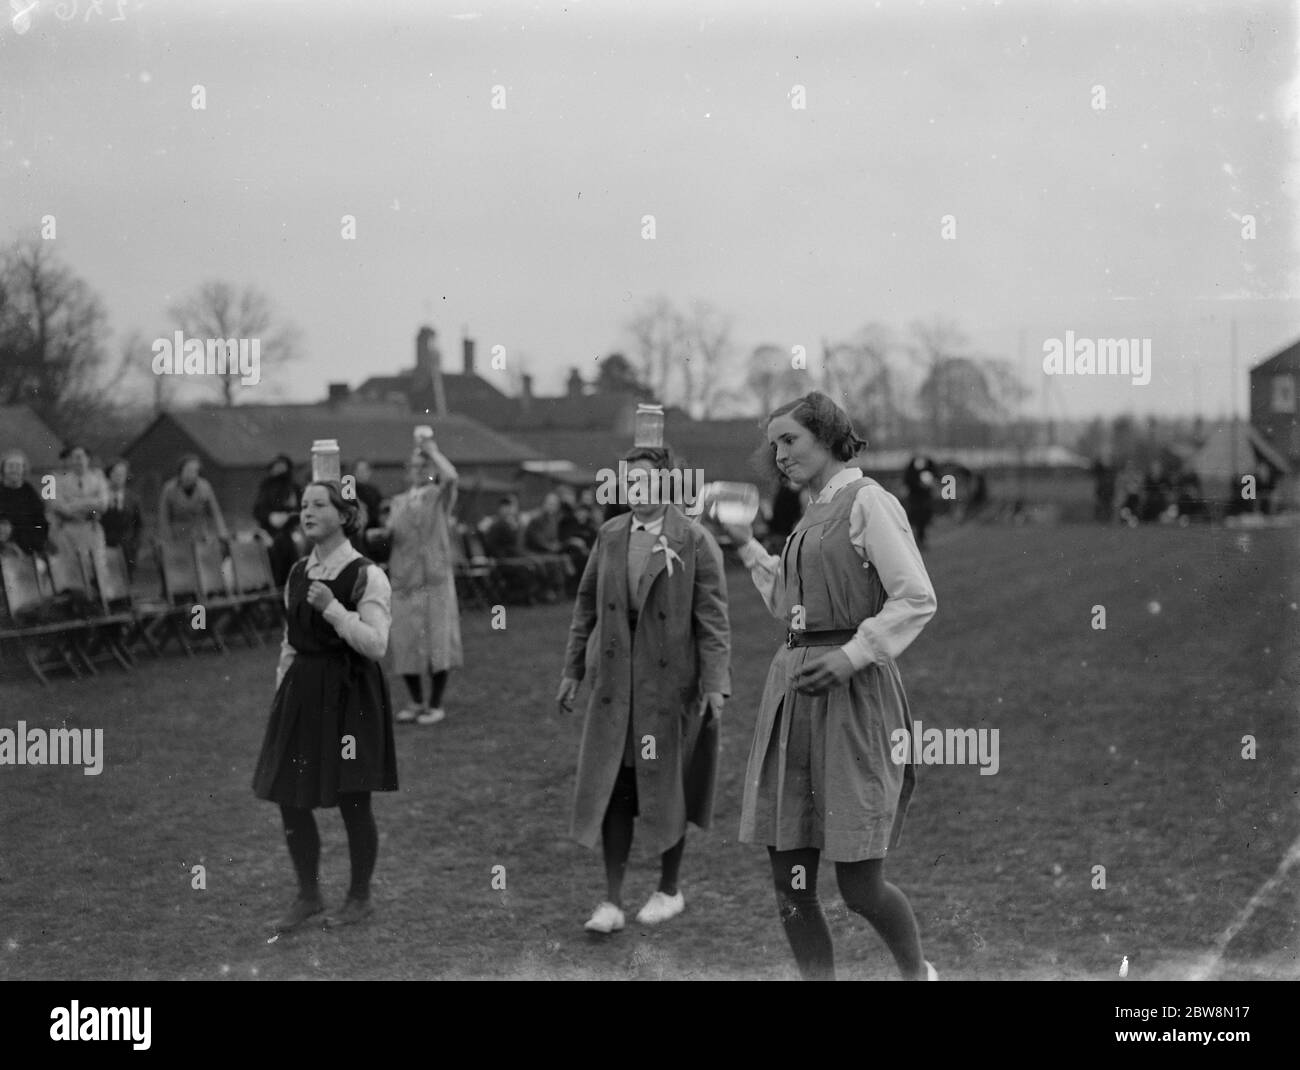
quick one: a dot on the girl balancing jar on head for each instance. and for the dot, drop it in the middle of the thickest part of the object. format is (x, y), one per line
(821, 780)
(651, 612)
(329, 740)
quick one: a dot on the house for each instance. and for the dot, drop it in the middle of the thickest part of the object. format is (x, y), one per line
(1273, 411)
(22, 429)
(237, 443)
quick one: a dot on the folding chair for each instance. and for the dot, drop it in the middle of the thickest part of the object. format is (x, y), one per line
(475, 571)
(264, 604)
(115, 622)
(71, 603)
(219, 604)
(43, 641)
(180, 595)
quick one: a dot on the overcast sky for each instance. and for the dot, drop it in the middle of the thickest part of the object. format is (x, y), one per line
(524, 223)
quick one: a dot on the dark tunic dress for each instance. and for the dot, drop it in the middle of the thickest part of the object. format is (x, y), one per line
(329, 692)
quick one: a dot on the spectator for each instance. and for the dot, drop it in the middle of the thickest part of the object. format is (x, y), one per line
(426, 617)
(368, 495)
(21, 505)
(920, 478)
(503, 540)
(187, 506)
(1103, 476)
(542, 536)
(80, 498)
(124, 517)
(276, 511)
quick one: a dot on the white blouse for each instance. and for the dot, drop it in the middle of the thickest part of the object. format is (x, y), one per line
(880, 532)
(364, 629)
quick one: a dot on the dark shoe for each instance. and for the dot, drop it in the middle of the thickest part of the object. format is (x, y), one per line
(303, 910)
(352, 911)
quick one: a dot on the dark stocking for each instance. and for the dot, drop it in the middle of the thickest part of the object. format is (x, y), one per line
(866, 892)
(616, 833)
(303, 840)
(670, 864)
(438, 684)
(363, 841)
(794, 874)
(416, 687)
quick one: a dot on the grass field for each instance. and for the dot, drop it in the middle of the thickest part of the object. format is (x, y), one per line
(1119, 748)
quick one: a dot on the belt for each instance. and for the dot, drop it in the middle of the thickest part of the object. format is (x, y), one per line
(837, 637)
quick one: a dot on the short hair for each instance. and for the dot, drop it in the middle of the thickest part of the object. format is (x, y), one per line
(348, 508)
(658, 456)
(829, 424)
(185, 459)
(116, 461)
(68, 450)
(16, 455)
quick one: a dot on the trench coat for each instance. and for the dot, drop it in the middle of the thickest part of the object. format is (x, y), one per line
(658, 676)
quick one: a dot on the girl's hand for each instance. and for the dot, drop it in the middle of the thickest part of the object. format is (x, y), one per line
(714, 699)
(830, 670)
(740, 533)
(567, 693)
(319, 596)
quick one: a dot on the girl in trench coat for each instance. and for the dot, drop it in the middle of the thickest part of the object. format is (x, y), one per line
(650, 627)
(822, 780)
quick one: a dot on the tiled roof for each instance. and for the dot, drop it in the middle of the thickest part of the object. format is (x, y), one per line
(246, 435)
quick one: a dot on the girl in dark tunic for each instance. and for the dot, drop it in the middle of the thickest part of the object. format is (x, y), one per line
(330, 737)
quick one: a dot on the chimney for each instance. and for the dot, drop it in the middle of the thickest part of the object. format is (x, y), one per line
(338, 393)
(575, 384)
(428, 366)
(467, 350)
(525, 392)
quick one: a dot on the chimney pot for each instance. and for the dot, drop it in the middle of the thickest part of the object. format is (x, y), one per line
(467, 349)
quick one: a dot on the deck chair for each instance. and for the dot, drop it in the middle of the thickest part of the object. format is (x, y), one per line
(114, 619)
(180, 594)
(31, 620)
(264, 605)
(223, 606)
(474, 571)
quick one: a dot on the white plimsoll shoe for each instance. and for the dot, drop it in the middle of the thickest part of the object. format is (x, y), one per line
(931, 974)
(660, 907)
(431, 716)
(408, 715)
(606, 918)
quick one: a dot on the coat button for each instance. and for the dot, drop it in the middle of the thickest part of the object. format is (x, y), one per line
(611, 605)
(605, 701)
(661, 617)
(663, 664)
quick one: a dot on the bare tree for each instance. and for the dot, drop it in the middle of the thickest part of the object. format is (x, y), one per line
(772, 379)
(963, 392)
(220, 310)
(53, 328)
(857, 374)
(659, 334)
(708, 335)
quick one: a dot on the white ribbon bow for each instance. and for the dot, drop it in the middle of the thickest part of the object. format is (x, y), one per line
(670, 555)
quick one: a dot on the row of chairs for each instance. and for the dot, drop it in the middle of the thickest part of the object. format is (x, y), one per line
(484, 581)
(68, 611)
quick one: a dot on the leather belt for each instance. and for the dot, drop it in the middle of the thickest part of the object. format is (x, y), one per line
(836, 637)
